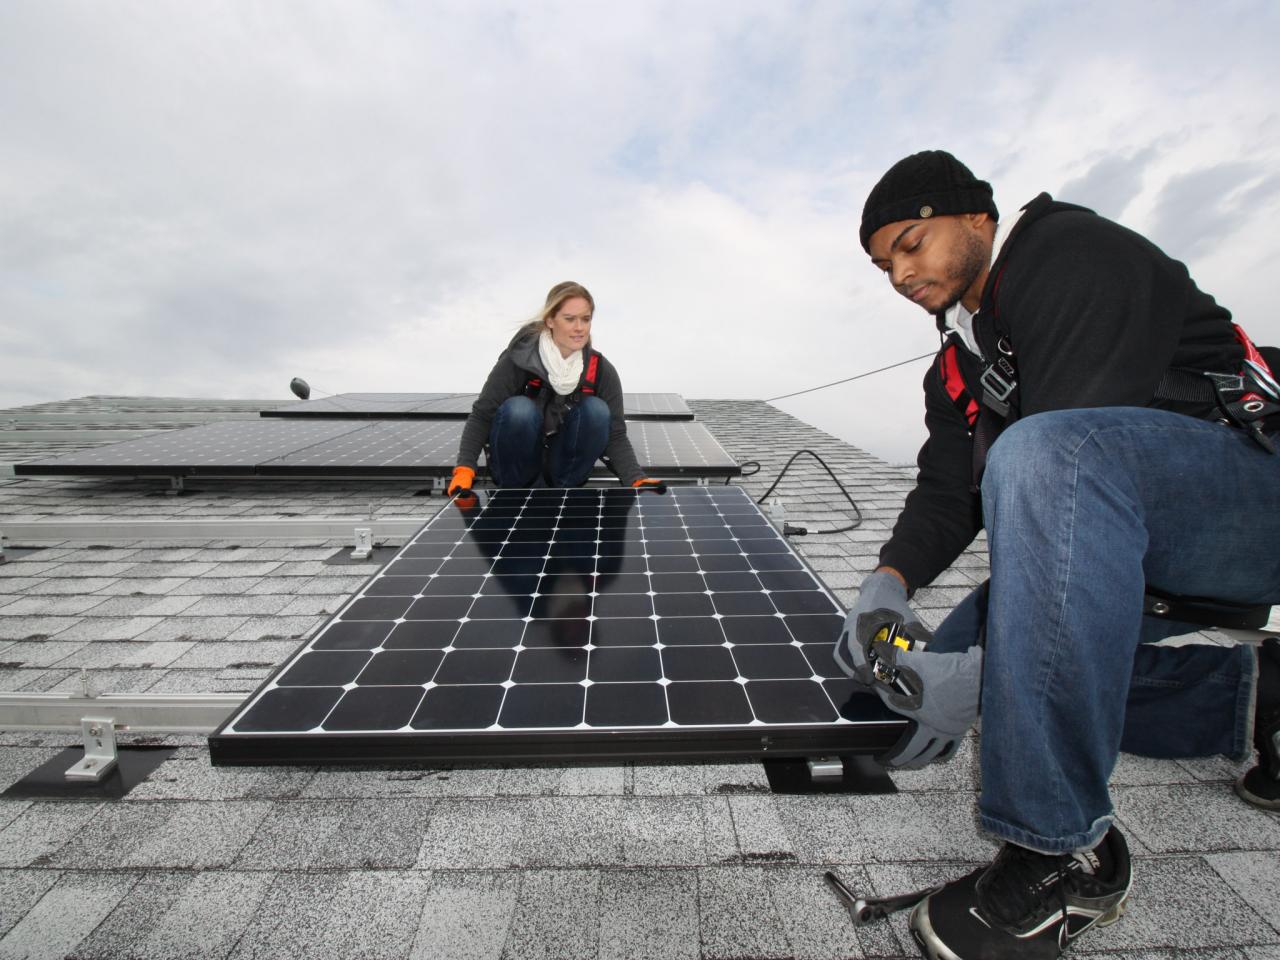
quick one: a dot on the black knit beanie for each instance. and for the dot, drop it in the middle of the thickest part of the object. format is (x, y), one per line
(931, 183)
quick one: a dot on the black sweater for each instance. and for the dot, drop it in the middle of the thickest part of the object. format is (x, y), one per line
(507, 379)
(1095, 314)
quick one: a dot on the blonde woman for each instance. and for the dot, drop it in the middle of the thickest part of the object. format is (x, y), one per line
(551, 407)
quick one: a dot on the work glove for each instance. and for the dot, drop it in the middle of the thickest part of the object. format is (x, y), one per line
(460, 489)
(885, 648)
(461, 480)
(880, 591)
(648, 483)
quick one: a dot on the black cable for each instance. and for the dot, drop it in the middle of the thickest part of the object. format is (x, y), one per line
(859, 376)
(788, 529)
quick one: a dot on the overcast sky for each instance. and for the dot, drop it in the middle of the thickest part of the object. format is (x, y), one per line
(207, 199)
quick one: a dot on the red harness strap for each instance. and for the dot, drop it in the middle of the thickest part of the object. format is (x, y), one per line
(1251, 355)
(949, 370)
(533, 386)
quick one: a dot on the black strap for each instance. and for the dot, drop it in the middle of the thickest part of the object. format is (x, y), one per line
(1205, 611)
(1185, 386)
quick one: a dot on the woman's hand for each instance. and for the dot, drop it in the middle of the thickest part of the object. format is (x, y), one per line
(461, 480)
(648, 483)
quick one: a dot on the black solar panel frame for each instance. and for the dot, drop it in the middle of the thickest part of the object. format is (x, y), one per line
(438, 406)
(876, 733)
(80, 463)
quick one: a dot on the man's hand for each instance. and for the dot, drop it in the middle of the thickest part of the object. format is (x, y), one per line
(461, 480)
(885, 648)
(648, 483)
(882, 590)
(938, 692)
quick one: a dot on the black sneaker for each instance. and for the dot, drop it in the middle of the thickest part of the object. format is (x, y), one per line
(1026, 904)
(1261, 785)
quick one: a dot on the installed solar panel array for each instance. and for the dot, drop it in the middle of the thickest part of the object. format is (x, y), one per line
(454, 406)
(319, 448)
(578, 623)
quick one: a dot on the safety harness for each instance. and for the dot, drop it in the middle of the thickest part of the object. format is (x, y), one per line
(1244, 399)
(587, 386)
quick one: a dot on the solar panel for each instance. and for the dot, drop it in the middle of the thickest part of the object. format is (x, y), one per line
(585, 623)
(454, 406)
(224, 448)
(321, 448)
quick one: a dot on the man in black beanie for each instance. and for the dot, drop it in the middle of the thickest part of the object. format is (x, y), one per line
(1115, 434)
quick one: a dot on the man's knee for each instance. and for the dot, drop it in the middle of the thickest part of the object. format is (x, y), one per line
(1037, 453)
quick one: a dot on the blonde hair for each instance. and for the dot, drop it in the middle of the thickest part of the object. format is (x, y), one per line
(556, 297)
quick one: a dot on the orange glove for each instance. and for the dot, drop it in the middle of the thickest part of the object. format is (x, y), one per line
(461, 480)
(648, 483)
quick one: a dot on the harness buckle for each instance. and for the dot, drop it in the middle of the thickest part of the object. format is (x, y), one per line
(998, 381)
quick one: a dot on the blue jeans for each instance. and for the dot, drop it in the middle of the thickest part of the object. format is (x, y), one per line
(1083, 508)
(519, 454)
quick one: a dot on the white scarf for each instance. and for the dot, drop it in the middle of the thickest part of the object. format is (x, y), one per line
(563, 373)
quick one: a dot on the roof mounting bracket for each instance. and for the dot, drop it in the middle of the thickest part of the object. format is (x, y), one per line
(363, 549)
(100, 756)
(826, 769)
(175, 487)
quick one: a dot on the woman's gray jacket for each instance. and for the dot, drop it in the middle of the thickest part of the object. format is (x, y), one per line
(509, 377)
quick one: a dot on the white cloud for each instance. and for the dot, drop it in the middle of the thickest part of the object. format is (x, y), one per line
(209, 199)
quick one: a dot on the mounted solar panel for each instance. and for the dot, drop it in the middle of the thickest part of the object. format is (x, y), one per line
(346, 448)
(578, 624)
(225, 448)
(454, 406)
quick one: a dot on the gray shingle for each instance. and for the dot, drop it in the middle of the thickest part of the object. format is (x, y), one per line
(466, 916)
(556, 916)
(1256, 878)
(189, 777)
(648, 915)
(728, 895)
(65, 915)
(474, 834)
(870, 829)
(193, 628)
(350, 834)
(236, 606)
(16, 763)
(164, 835)
(48, 606)
(370, 916)
(179, 916)
(759, 830)
(41, 829)
(813, 929)
(1200, 817)
(20, 890)
(33, 628)
(1169, 907)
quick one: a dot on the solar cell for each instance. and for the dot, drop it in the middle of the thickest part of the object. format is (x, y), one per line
(572, 623)
(320, 448)
(453, 406)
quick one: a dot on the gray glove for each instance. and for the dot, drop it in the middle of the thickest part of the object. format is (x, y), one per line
(880, 591)
(938, 692)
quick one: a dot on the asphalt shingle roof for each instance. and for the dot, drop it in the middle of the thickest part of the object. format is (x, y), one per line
(626, 860)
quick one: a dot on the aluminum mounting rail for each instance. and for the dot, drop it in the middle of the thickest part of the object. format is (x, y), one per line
(328, 528)
(199, 713)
